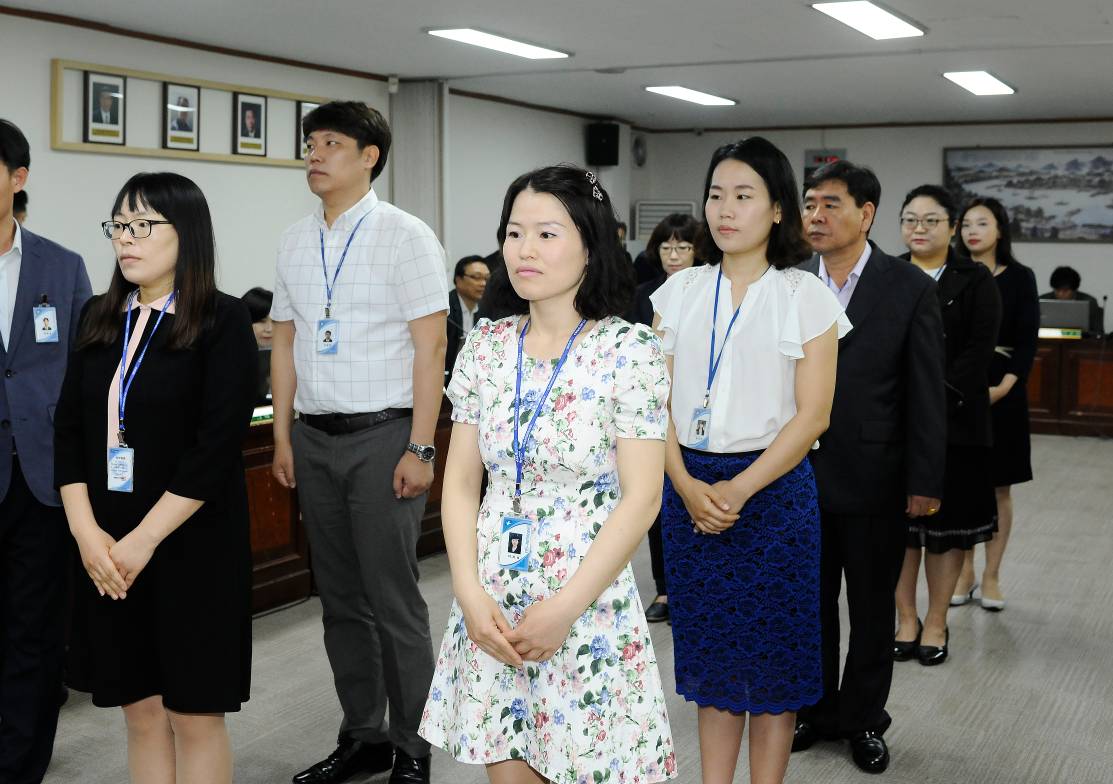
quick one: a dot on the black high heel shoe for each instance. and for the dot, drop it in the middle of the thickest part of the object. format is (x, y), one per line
(905, 651)
(931, 655)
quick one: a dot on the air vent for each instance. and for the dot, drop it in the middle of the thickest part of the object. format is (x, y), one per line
(647, 214)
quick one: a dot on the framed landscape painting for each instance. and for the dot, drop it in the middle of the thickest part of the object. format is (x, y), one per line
(1052, 194)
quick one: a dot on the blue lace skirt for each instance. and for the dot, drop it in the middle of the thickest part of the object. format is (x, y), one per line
(745, 603)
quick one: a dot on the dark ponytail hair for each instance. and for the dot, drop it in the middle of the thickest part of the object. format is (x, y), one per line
(181, 202)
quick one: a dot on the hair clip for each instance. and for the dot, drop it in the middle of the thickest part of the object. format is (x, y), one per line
(598, 194)
(592, 178)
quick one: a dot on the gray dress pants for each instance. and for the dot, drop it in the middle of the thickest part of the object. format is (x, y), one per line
(363, 549)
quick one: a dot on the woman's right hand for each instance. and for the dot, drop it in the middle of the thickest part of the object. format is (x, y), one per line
(95, 544)
(486, 625)
(709, 510)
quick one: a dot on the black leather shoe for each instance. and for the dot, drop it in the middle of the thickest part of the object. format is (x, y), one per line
(869, 752)
(804, 735)
(408, 770)
(657, 612)
(351, 757)
(931, 655)
(906, 650)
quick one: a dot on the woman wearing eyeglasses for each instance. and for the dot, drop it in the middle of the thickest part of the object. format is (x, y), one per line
(673, 242)
(155, 405)
(971, 313)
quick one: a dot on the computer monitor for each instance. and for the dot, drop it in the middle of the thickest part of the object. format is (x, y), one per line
(1065, 313)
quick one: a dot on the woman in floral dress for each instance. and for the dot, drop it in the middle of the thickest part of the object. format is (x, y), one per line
(547, 671)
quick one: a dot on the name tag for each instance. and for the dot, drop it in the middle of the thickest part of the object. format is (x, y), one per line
(46, 324)
(699, 431)
(328, 336)
(515, 545)
(121, 469)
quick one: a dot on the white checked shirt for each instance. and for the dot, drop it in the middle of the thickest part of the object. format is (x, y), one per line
(394, 273)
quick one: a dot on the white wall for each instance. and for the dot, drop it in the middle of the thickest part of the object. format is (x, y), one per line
(72, 192)
(902, 158)
(489, 145)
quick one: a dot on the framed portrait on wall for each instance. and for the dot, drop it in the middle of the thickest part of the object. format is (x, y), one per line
(249, 124)
(181, 116)
(104, 108)
(304, 108)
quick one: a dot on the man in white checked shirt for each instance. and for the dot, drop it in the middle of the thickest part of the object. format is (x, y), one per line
(359, 314)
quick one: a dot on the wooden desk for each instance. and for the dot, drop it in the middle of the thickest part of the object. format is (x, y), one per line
(279, 548)
(1070, 388)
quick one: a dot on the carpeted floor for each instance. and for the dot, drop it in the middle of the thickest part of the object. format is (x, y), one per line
(1026, 698)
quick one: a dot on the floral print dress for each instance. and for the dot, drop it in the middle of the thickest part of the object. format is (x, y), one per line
(595, 712)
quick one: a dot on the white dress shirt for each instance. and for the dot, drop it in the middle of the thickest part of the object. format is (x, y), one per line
(754, 393)
(394, 273)
(847, 291)
(10, 263)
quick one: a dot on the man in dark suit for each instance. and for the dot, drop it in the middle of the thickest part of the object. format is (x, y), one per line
(107, 110)
(470, 279)
(38, 280)
(881, 460)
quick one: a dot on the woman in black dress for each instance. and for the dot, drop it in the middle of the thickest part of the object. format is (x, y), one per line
(148, 464)
(971, 314)
(985, 236)
(673, 244)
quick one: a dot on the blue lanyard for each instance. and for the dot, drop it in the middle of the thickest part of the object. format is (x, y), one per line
(125, 382)
(713, 361)
(324, 266)
(520, 446)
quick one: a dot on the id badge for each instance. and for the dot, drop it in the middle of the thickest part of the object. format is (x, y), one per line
(121, 469)
(699, 431)
(46, 324)
(328, 336)
(515, 545)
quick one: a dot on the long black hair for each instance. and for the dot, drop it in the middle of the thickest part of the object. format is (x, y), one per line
(181, 202)
(787, 244)
(1003, 253)
(608, 285)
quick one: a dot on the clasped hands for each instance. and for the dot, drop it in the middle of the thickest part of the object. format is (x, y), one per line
(111, 565)
(540, 634)
(713, 508)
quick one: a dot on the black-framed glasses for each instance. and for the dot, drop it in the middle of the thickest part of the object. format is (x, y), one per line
(929, 222)
(140, 228)
(681, 249)
(478, 277)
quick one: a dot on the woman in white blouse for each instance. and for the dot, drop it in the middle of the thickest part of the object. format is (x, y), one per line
(752, 345)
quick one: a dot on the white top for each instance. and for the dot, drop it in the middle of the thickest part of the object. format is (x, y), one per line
(10, 263)
(754, 395)
(394, 273)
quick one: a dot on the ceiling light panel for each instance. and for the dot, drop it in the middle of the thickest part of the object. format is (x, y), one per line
(692, 96)
(979, 82)
(466, 35)
(870, 19)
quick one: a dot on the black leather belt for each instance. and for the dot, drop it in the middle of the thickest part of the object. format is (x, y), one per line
(340, 424)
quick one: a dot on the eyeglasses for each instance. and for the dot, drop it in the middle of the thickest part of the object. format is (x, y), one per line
(929, 222)
(140, 228)
(680, 250)
(477, 277)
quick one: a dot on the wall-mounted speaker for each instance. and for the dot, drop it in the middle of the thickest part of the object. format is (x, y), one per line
(602, 144)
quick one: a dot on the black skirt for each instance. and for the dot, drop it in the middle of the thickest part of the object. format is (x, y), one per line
(969, 511)
(1012, 440)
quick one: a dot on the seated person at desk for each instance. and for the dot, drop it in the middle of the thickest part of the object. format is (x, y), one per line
(1065, 282)
(470, 280)
(258, 301)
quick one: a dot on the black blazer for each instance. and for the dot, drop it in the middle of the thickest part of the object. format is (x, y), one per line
(641, 311)
(971, 308)
(890, 407)
(455, 331)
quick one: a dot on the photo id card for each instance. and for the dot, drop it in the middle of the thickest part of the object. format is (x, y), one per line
(121, 469)
(328, 336)
(515, 547)
(46, 324)
(699, 432)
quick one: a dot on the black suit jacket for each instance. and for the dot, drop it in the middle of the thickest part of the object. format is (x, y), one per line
(890, 408)
(455, 331)
(971, 308)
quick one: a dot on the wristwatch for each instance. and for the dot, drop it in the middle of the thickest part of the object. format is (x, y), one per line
(426, 454)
